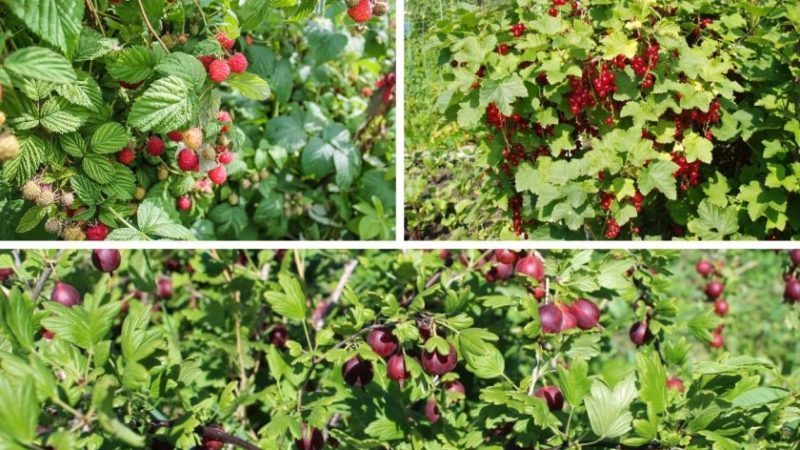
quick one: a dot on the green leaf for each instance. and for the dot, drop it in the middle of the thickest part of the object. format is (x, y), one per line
(18, 316)
(132, 65)
(384, 429)
(503, 93)
(185, 66)
(98, 168)
(229, 218)
(19, 410)
(154, 219)
(697, 148)
(31, 219)
(608, 410)
(56, 21)
(291, 303)
(617, 43)
(713, 222)
(250, 85)
(334, 150)
(92, 45)
(39, 63)
(574, 382)
(60, 116)
(759, 396)
(136, 341)
(88, 191)
(73, 144)
(653, 380)
(124, 185)
(324, 45)
(110, 137)
(658, 175)
(31, 156)
(287, 132)
(168, 104)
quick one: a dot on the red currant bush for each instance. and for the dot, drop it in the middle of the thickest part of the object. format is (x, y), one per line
(617, 120)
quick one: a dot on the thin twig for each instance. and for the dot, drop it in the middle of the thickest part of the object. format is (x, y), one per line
(324, 307)
(219, 435)
(150, 26)
(93, 10)
(37, 289)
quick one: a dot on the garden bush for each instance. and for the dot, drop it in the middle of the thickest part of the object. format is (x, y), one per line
(403, 350)
(622, 119)
(139, 119)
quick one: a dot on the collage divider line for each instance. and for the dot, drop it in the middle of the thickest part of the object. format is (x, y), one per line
(400, 95)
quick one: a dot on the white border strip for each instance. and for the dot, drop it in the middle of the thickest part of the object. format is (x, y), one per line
(400, 124)
(406, 245)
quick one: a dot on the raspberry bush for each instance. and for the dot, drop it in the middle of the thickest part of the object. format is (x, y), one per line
(387, 349)
(609, 120)
(139, 119)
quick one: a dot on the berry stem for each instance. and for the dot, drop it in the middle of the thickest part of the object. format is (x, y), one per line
(150, 26)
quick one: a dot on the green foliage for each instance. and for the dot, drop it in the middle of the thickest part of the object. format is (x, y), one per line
(85, 82)
(139, 368)
(699, 142)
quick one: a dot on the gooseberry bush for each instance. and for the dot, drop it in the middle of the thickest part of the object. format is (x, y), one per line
(630, 120)
(139, 119)
(386, 349)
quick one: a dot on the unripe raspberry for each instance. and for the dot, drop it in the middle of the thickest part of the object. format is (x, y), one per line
(73, 233)
(184, 203)
(53, 225)
(379, 9)
(233, 199)
(31, 190)
(9, 146)
(207, 152)
(155, 146)
(46, 198)
(223, 140)
(67, 199)
(163, 173)
(193, 138)
(188, 160)
(237, 63)
(263, 174)
(219, 71)
(139, 193)
(126, 156)
(225, 157)
(97, 232)
(218, 175)
(246, 184)
(225, 41)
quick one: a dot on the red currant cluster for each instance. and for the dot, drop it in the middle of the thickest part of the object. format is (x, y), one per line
(515, 204)
(688, 172)
(605, 83)
(581, 96)
(705, 22)
(638, 201)
(612, 228)
(518, 29)
(606, 199)
(494, 117)
(503, 49)
(515, 154)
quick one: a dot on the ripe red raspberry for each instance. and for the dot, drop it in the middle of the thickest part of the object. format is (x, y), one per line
(218, 175)
(225, 41)
(362, 12)
(237, 63)
(126, 156)
(175, 136)
(155, 146)
(218, 70)
(96, 232)
(184, 203)
(188, 160)
(206, 60)
(225, 157)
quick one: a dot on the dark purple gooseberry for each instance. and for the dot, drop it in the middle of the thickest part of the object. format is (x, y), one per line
(437, 364)
(640, 333)
(382, 341)
(65, 294)
(106, 260)
(552, 395)
(586, 313)
(310, 438)
(357, 372)
(550, 317)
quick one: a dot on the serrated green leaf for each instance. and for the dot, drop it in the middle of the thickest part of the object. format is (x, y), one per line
(110, 137)
(40, 64)
(168, 104)
(98, 168)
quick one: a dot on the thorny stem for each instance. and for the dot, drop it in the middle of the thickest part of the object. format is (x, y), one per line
(48, 270)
